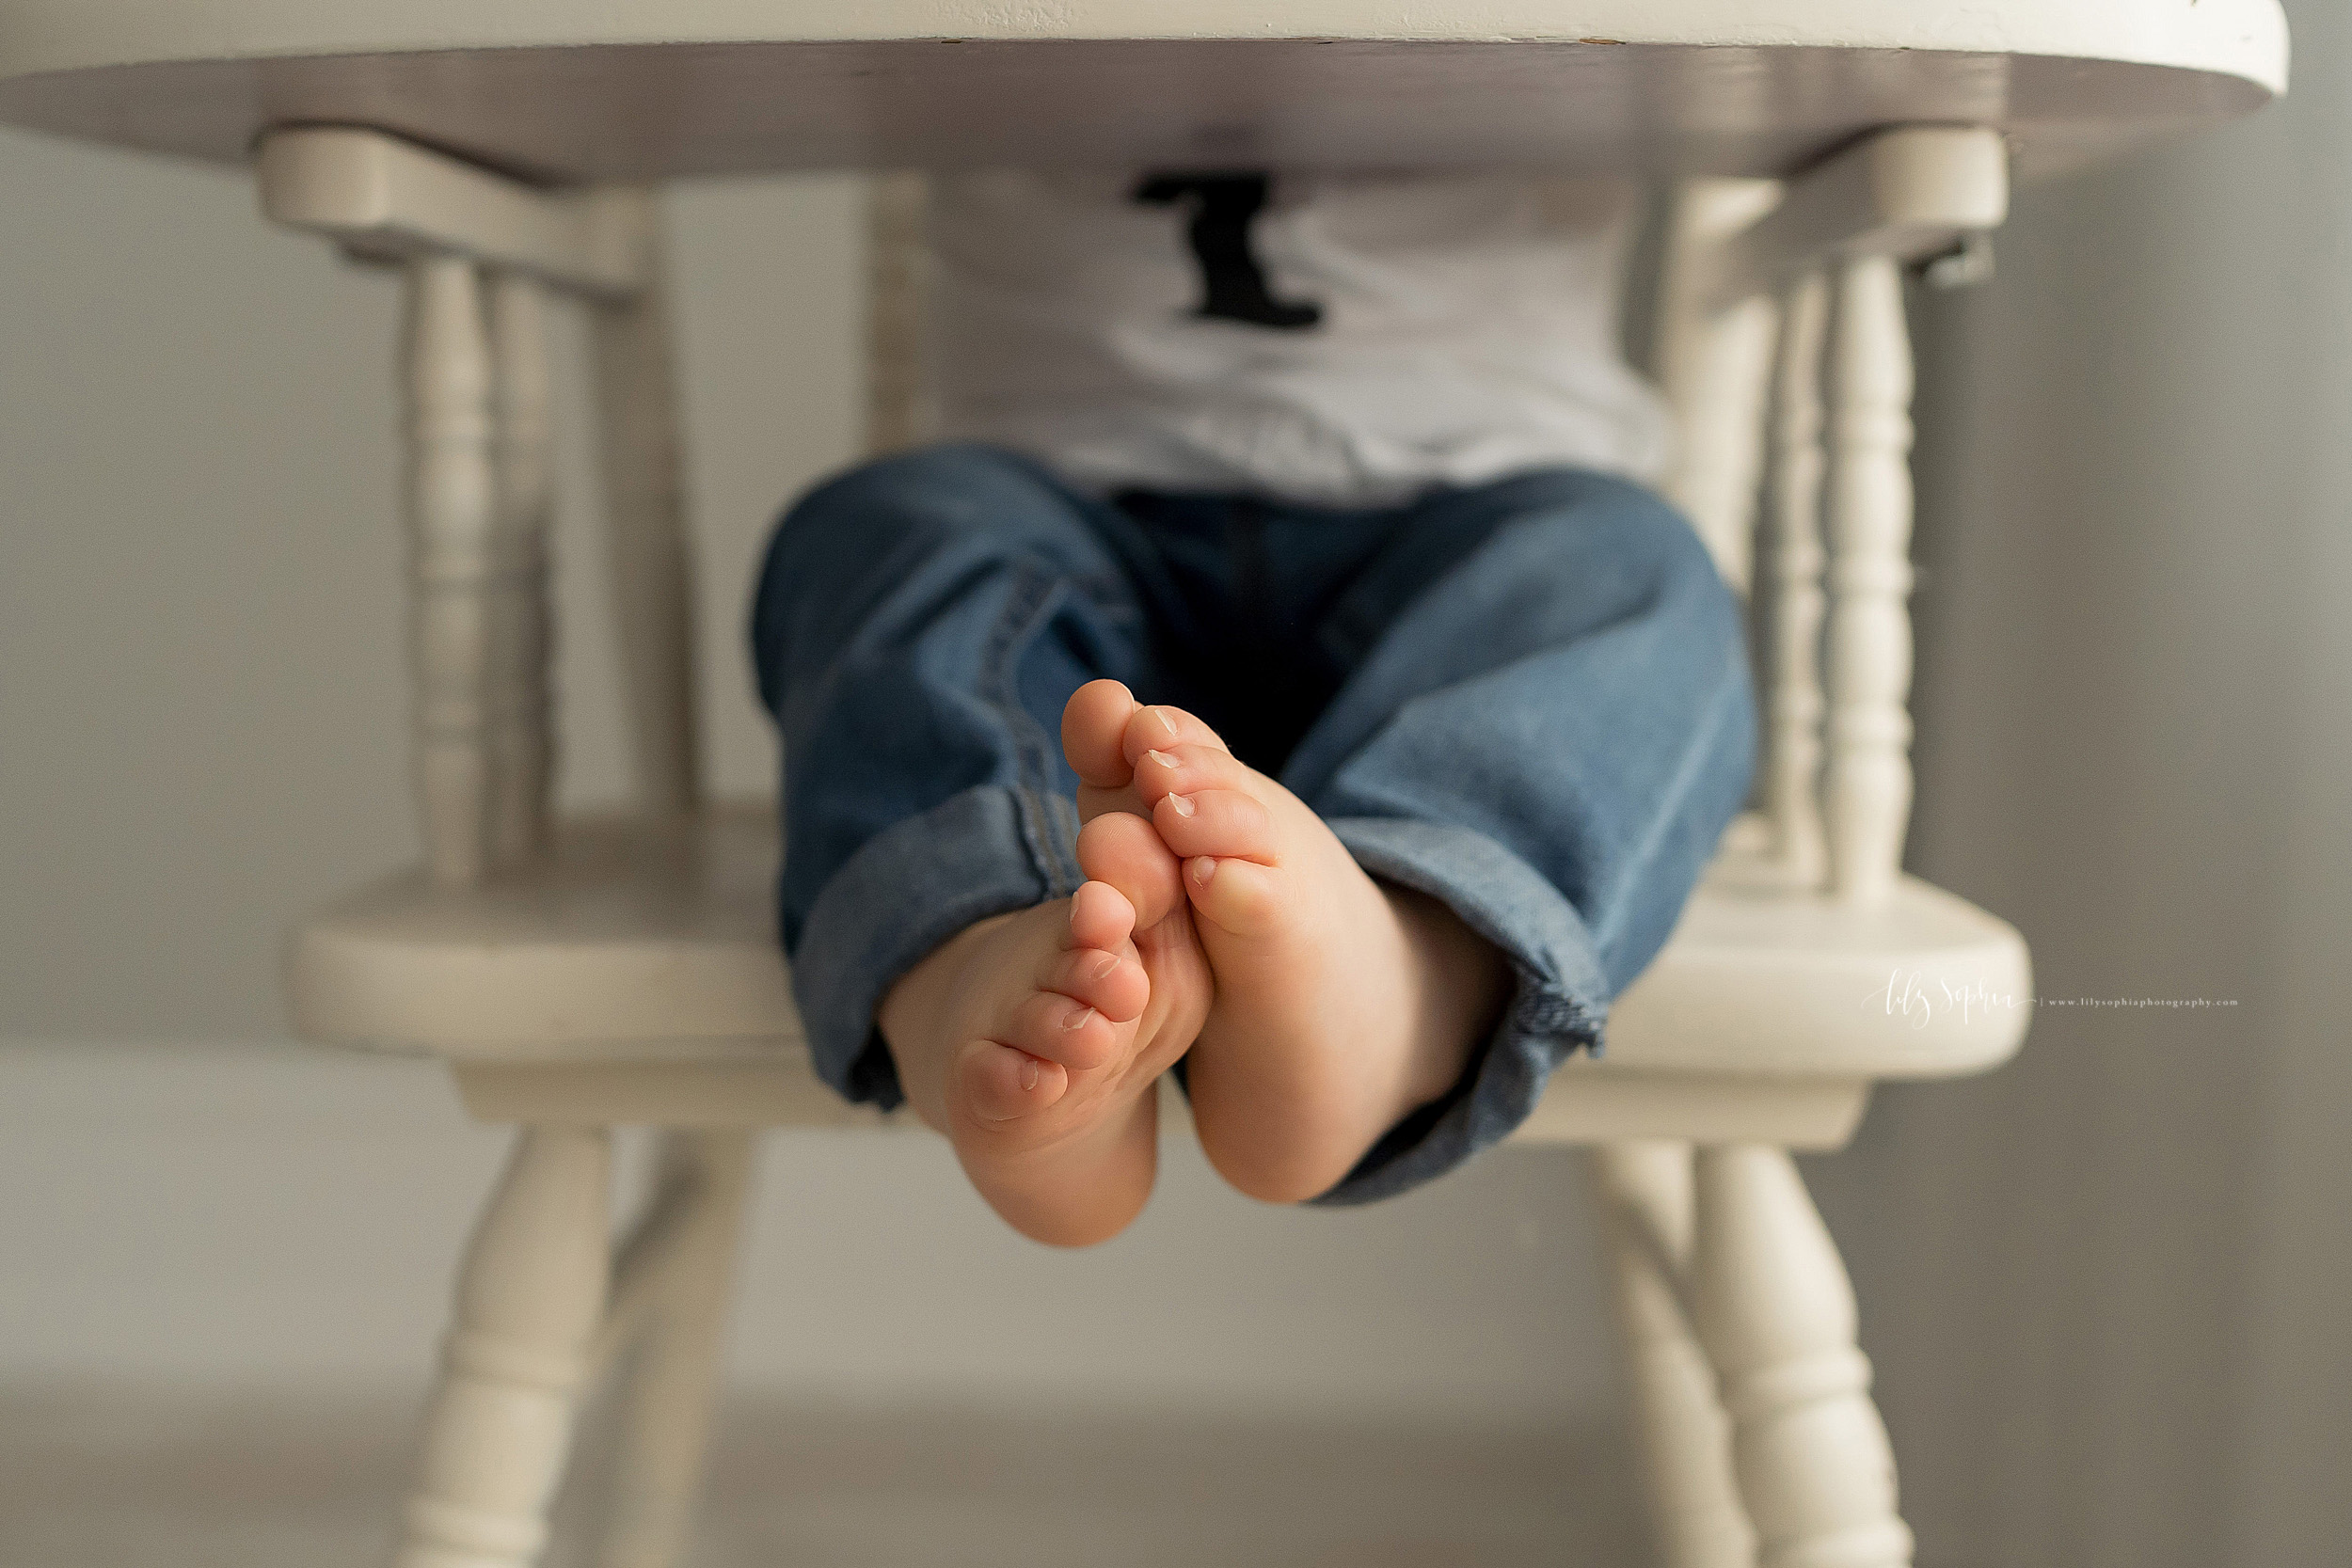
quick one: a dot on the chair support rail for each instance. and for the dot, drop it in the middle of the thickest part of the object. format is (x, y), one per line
(1912, 193)
(384, 199)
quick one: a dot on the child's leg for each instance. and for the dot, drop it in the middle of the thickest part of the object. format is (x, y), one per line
(918, 628)
(1546, 727)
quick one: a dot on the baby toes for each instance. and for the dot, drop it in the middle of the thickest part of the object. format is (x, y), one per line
(1126, 860)
(1112, 984)
(1237, 897)
(1003, 1084)
(1223, 823)
(1186, 770)
(1162, 728)
(1061, 1029)
(1094, 724)
(1102, 913)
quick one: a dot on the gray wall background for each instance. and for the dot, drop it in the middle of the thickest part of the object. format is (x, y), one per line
(2103, 1287)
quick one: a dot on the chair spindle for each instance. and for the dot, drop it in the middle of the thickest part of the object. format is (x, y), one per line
(1869, 787)
(522, 754)
(1713, 362)
(453, 522)
(896, 216)
(644, 500)
(1794, 603)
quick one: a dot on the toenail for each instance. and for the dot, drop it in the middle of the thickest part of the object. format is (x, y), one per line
(1078, 1019)
(1184, 807)
(1029, 1073)
(1104, 970)
(1160, 757)
(1166, 722)
(1202, 869)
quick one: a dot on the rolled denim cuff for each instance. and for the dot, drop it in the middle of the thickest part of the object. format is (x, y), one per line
(904, 892)
(1557, 1006)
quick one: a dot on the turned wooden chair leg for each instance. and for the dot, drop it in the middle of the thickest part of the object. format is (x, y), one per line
(664, 1406)
(1773, 1308)
(1680, 1433)
(530, 1298)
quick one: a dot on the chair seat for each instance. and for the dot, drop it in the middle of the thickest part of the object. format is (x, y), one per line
(1763, 978)
(652, 944)
(631, 938)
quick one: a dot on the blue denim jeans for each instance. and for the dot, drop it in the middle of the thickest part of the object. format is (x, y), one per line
(1528, 699)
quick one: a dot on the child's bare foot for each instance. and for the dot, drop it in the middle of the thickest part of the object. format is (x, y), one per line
(1341, 1004)
(1034, 1040)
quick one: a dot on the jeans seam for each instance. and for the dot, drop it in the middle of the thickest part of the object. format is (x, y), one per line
(1033, 786)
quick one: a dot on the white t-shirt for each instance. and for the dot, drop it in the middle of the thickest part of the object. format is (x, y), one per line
(1335, 340)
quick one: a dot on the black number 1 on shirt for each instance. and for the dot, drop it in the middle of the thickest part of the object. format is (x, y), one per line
(1233, 284)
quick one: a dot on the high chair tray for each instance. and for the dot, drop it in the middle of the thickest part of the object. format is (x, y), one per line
(625, 89)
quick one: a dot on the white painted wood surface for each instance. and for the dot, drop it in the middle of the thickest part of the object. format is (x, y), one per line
(692, 1091)
(2246, 37)
(1772, 1307)
(636, 89)
(629, 935)
(654, 942)
(1790, 766)
(544, 1307)
(650, 556)
(1680, 1432)
(672, 1376)
(897, 262)
(1714, 358)
(453, 507)
(384, 196)
(522, 748)
(1910, 193)
(529, 1300)
(1866, 796)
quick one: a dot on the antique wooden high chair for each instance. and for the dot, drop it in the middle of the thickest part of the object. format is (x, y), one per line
(582, 975)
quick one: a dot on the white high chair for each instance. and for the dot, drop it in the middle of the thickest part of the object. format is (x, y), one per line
(582, 975)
